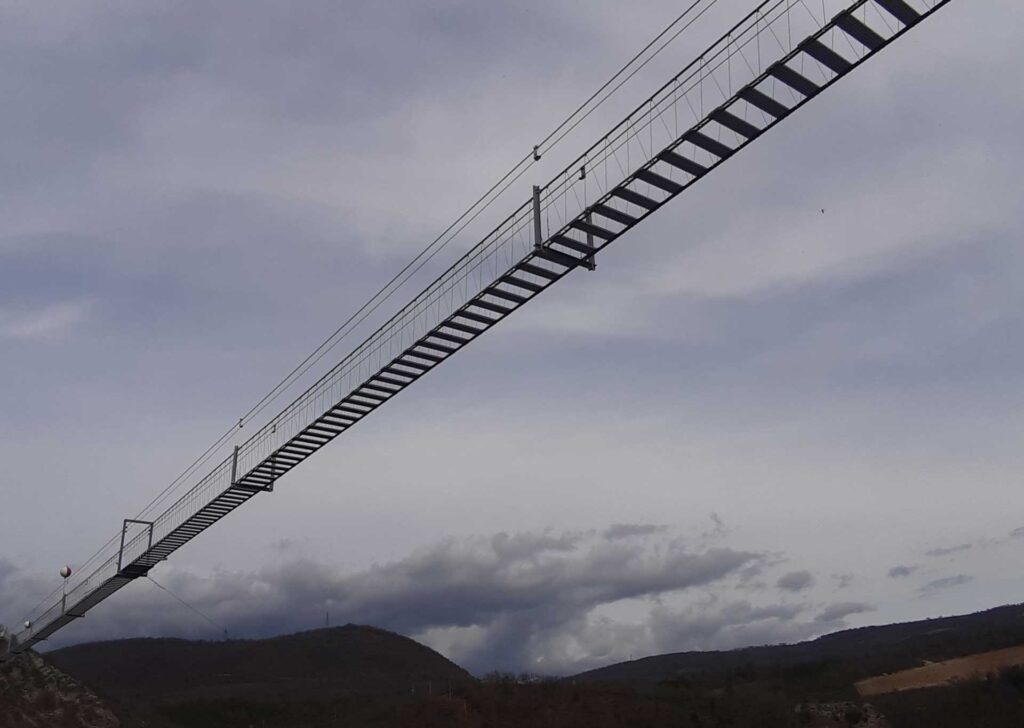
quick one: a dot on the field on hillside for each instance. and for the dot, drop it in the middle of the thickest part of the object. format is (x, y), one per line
(946, 672)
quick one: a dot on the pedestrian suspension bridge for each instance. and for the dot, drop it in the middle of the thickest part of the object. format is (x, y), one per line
(779, 57)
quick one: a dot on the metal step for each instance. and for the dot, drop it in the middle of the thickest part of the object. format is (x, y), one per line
(593, 229)
(437, 347)
(738, 125)
(636, 198)
(612, 214)
(763, 101)
(461, 327)
(445, 337)
(555, 257)
(463, 313)
(683, 163)
(520, 283)
(822, 53)
(794, 80)
(702, 140)
(574, 245)
(538, 271)
(423, 355)
(900, 10)
(861, 33)
(347, 408)
(646, 175)
(488, 306)
(513, 297)
(403, 362)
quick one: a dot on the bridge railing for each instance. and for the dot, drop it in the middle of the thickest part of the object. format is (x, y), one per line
(770, 32)
(734, 60)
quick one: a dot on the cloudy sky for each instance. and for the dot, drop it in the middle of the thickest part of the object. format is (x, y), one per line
(754, 423)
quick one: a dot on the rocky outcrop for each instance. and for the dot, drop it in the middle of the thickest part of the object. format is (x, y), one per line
(35, 694)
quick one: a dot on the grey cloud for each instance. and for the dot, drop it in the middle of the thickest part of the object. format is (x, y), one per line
(725, 626)
(795, 581)
(836, 613)
(472, 582)
(944, 583)
(900, 571)
(18, 592)
(527, 592)
(718, 528)
(843, 581)
(626, 530)
(529, 545)
(1017, 533)
(946, 551)
(749, 573)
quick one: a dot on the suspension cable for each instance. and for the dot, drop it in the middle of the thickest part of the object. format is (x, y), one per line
(195, 609)
(625, 67)
(424, 256)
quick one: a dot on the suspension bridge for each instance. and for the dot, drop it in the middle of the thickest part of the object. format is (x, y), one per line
(779, 57)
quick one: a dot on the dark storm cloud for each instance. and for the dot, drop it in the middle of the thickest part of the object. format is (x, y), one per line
(528, 592)
(949, 550)
(507, 583)
(520, 601)
(624, 530)
(947, 582)
(467, 582)
(795, 581)
(900, 571)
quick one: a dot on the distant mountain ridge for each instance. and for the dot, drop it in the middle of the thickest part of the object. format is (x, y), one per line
(874, 649)
(339, 660)
(363, 677)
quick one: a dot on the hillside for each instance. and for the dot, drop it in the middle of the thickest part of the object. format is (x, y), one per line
(362, 677)
(865, 651)
(341, 660)
(34, 694)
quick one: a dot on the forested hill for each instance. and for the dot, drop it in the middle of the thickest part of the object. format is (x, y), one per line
(325, 661)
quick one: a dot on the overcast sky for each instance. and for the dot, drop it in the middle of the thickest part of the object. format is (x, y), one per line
(755, 422)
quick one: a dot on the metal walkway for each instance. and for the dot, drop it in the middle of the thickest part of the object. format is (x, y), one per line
(779, 57)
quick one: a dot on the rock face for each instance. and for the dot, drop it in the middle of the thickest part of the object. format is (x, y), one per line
(34, 694)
